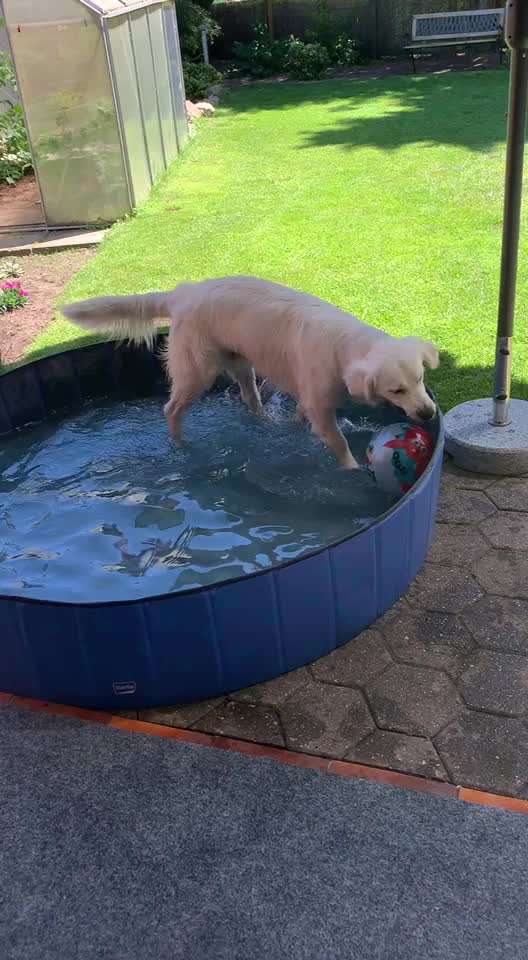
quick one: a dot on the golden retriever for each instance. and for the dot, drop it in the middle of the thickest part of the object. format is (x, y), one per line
(304, 346)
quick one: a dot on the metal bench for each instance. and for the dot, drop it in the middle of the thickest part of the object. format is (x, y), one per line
(462, 28)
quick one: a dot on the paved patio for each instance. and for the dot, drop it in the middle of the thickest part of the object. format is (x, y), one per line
(439, 686)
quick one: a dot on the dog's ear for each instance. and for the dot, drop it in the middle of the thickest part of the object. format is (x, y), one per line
(361, 383)
(427, 351)
(431, 357)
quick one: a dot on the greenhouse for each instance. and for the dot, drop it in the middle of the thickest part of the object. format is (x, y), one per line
(102, 90)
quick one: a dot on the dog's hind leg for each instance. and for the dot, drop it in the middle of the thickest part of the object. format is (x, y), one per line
(244, 374)
(184, 391)
(174, 411)
(324, 425)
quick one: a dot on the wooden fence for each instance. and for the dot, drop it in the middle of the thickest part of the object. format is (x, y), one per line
(382, 26)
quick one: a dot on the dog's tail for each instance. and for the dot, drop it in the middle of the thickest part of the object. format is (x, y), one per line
(129, 318)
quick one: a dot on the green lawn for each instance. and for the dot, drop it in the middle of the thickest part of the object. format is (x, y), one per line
(383, 196)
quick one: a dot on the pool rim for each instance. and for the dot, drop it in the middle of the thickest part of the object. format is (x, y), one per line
(217, 584)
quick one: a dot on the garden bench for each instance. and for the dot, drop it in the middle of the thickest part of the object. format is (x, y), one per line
(461, 28)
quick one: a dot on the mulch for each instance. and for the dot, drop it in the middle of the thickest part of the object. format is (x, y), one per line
(44, 276)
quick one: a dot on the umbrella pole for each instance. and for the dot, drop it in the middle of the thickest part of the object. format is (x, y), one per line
(474, 435)
(516, 36)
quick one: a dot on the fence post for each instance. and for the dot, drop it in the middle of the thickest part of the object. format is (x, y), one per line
(269, 17)
(205, 46)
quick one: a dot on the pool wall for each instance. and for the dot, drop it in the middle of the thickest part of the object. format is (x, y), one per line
(194, 645)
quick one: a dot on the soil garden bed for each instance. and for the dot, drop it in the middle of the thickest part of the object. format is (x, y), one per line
(44, 276)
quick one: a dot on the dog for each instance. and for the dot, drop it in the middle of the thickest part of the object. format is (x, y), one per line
(304, 346)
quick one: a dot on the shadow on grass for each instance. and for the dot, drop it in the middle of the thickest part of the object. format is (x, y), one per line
(463, 109)
(454, 383)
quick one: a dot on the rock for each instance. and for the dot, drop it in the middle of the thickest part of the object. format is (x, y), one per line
(193, 110)
(206, 109)
(215, 91)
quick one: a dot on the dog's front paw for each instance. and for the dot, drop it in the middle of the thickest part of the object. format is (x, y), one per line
(350, 463)
(263, 414)
(178, 440)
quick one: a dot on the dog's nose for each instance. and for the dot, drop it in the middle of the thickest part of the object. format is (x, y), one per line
(427, 413)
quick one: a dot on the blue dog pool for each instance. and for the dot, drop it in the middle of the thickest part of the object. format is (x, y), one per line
(134, 573)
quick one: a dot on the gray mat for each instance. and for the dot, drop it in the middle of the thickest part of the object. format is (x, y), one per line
(124, 847)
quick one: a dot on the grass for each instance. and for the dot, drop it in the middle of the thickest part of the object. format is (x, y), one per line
(383, 196)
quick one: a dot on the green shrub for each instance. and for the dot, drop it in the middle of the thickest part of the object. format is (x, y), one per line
(306, 61)
(193, 17)
(331, 31)
(7, 76)
(346, 52)
(198, 77)
(262, 56)
(15, 158)
(324, 26)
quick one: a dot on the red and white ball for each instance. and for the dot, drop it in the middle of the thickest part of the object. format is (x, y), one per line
(398, 455)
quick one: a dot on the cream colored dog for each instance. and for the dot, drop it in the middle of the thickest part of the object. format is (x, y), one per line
(303, 345)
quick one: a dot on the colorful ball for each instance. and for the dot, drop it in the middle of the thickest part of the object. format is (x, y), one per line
(398, 455)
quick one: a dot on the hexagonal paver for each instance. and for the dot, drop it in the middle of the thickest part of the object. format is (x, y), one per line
(245, 721)
(413, 700)
(507, 530)
(511, 493)
(445, 589)
(182, 715)
(399, 609)
(486, 752)
(454, 477)
(326, 720)
(503, 572)
(496, 683)
(463, 506)
(457, 544)
(412, 623)
(437, 640)
(356, 662)
(500, 623)
(274, 692)
(396, 751)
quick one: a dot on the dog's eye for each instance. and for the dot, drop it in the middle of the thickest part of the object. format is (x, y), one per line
(399, 390)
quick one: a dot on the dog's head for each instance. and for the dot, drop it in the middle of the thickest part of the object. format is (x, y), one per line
(393, 370)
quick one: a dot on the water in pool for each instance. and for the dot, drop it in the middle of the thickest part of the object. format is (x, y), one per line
(104, 506)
